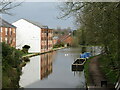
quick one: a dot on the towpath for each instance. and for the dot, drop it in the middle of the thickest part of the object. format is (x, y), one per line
(96, 77)
(95, 73)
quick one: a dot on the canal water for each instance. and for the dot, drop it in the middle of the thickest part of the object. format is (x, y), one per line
(53, 70)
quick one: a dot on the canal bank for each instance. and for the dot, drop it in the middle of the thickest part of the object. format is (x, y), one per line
(60, 67)
(35, 54)
(26, 59)
(95, 75)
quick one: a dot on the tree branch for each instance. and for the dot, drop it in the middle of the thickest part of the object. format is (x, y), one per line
(6, 6)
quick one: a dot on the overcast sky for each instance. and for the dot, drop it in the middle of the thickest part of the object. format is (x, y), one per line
(45, 13)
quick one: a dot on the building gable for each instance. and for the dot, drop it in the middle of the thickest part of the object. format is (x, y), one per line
(33, 23)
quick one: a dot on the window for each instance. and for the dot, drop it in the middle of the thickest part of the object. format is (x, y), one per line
(10, 31)
(1, 30)
(6, 39)
(13, 30)
(6, 31)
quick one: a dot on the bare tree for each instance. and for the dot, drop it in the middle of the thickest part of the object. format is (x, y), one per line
(6, 5)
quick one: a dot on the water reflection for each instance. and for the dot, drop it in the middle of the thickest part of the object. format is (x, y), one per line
(38, 68)
(53, 70)
(46, 64)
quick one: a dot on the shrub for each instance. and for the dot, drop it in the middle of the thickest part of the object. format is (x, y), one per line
(25, 48)
(10, 66)
(58, 45)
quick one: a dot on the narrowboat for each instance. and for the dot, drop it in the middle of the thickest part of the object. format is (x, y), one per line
(78, 64)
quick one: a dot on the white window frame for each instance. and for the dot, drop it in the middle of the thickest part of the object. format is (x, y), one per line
(1, 30)
(13, 30)
(6, 31)
(6, 39)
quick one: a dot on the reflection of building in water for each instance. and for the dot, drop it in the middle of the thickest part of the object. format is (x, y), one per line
(46, 64)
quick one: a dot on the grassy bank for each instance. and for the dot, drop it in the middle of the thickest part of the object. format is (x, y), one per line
(35, 54)
(86, 71)
(106, 66)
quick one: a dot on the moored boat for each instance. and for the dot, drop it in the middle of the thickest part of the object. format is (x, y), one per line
(78, 64)
(85, 55)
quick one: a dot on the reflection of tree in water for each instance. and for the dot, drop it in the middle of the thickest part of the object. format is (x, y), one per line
(46, 65)
(82, 83)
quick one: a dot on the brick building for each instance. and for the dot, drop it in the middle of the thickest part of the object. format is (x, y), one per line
(66, 39)
(37, 36)
(7, 33)
(46, 39)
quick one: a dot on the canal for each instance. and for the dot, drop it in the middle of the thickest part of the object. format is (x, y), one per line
(53, 70)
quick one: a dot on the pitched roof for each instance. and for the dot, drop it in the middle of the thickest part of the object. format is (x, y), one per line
(4, 23)
(37, 24)
(64, 37)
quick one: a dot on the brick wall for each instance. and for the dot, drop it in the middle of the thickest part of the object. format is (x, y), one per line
(8, 35)
(69, 40)
(46, 40)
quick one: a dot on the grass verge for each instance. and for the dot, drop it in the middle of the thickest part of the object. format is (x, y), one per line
(111, 74)
(86, 71)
